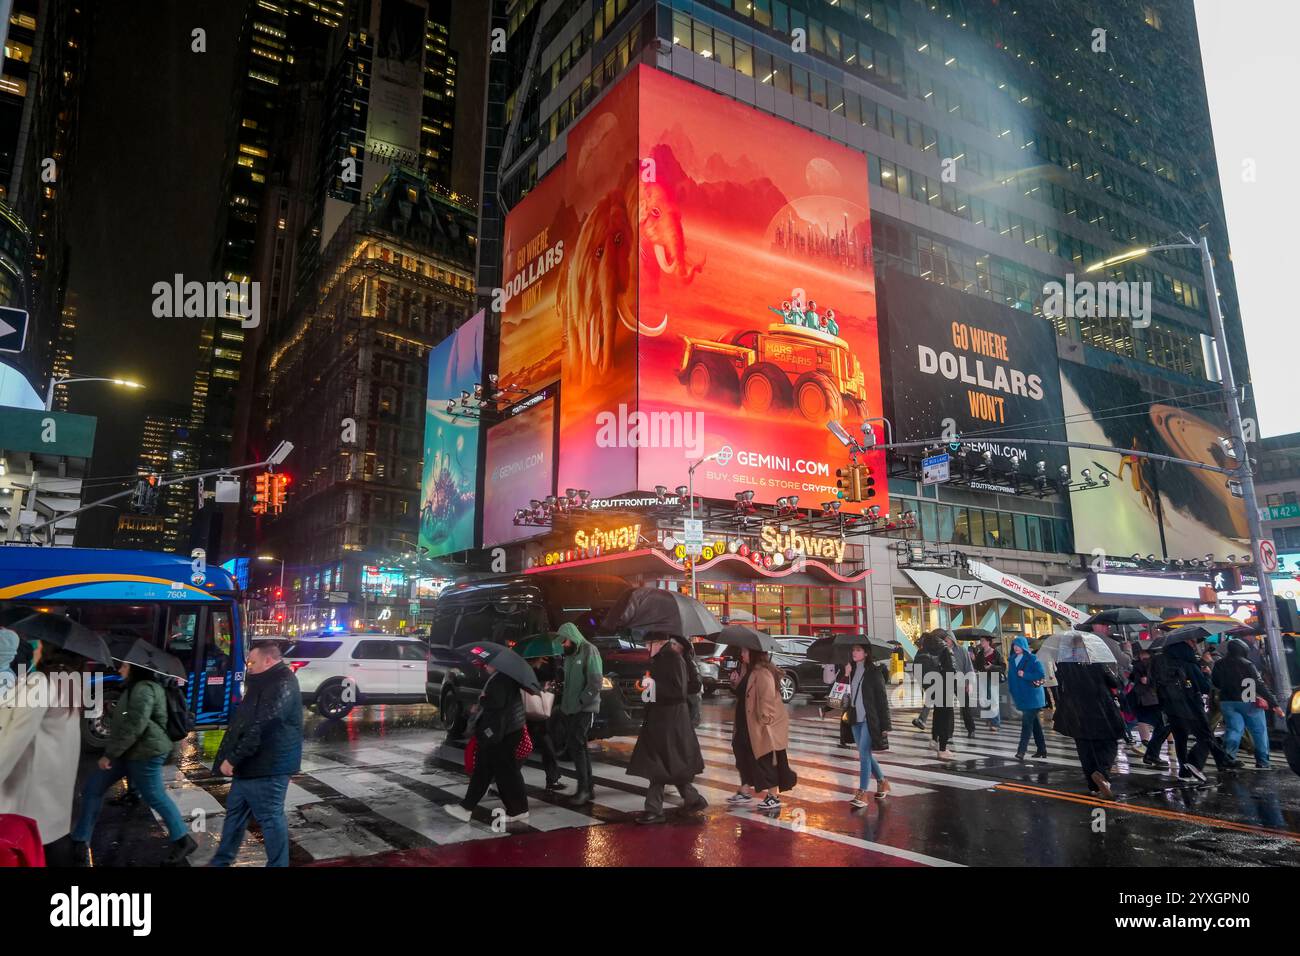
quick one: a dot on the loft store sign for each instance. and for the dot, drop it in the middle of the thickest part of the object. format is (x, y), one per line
(773, 540)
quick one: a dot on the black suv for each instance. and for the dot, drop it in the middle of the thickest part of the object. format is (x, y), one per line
(798, 674)
(507, 610)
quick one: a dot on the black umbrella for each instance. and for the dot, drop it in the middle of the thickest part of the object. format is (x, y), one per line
(1192, 632)
(1121, 615)
(505, 660)
(837, 650)
(972, 634)
(13, 613)
(60, 631)
(143, 654)
(738, 635)
(662, 611)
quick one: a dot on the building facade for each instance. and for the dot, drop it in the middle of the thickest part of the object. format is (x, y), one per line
(166, 450)
(1008, 147)
(346, 384)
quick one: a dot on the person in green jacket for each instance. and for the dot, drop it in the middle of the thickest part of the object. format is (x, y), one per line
(584, 672)
(137, 747)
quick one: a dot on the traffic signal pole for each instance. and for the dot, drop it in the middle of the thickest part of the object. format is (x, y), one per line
(279, 455)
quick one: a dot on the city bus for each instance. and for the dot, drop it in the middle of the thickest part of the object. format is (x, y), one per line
(122, 595)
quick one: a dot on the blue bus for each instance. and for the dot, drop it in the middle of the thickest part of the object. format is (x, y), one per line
(140, 594)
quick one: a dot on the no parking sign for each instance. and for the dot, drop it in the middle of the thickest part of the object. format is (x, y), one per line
(1268, 556)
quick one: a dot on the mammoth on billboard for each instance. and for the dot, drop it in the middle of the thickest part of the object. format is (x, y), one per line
(696, 276)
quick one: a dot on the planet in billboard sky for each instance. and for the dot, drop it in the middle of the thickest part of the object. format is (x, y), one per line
(1192, 437)
(822, 176)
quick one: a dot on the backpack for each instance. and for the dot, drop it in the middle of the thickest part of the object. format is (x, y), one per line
(180, 722)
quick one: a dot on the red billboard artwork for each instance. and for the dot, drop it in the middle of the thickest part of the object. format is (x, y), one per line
(757, 300)
(596, 298)
(518, 469)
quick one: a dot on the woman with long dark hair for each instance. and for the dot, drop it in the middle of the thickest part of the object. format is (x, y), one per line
(868, 715)
(40, 746)
(761, 732)
(138, 746)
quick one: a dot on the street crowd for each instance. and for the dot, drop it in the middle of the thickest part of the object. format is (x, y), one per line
(1176, 693)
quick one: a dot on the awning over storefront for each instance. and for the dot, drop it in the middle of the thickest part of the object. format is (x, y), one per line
(653, 561)
(1042, 597)
(955, 591)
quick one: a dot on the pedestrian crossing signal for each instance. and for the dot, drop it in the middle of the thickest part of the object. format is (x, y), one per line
(261, 493)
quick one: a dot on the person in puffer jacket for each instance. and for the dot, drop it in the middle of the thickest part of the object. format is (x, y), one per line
(261, 751)
(1242, 689)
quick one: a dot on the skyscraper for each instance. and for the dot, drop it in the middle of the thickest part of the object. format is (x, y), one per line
(166, 449)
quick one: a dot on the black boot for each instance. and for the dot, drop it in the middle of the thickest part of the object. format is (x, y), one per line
(180, 850)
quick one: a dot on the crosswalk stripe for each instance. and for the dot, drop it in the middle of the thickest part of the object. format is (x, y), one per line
(847, 840)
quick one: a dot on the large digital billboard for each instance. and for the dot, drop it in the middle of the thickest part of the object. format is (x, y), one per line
(520, 468)
(1158, 508)
(965, 365)
(693, 288)
(450, 443)
(757, 300)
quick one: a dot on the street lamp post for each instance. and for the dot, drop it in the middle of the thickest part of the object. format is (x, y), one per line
(1244, 473)
(73, 379)
(271, 557)
(690, 493)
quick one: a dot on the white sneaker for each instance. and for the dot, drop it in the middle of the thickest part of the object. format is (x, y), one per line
(739, 797)
(947, 755)
(459, 812)
(518, 817)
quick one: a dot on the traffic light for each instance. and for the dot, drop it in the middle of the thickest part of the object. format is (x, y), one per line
(866, 483)
(144, 500)
(845, 478)
(279, 482)
(261, 493)
(1226, 579)
(279, 594)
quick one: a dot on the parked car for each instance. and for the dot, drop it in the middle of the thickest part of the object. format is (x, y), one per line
(798, 674)
(506, 610)
(710, 659)
(336, 672)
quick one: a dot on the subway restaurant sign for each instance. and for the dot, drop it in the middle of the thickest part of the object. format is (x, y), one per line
(773, 540)
(591, 543)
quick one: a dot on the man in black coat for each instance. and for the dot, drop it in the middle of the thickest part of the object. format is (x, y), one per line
(667, 751)
(1181, 685)
(261, 750)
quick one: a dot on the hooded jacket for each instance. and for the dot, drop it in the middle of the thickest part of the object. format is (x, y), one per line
(1023, 668)
(1180, 682)
(1233, 674)
(137, 728)
(583, 672)
(8, 651)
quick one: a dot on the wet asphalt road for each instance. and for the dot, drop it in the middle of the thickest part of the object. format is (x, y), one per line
(373, 785)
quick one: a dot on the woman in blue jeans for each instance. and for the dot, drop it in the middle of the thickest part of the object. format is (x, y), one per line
(137, 747)
(868, 715)
(1025, 677)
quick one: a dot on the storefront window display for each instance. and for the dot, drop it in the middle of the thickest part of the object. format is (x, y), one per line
(782, 608)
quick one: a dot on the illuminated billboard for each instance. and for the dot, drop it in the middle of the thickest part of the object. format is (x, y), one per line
(971, 365)
(1156, 508)
(695, 277)
(450, 443)
(757, 299)
(520, 468)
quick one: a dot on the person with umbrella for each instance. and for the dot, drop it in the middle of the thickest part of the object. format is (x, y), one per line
(935, 660)
(868, 712)
(1025, 678)
(498, 723)
(1151, 726)
(1181, 686)
(40, 741)
(540, 651)
(667, 750)
(760, 732)
(138, 746)
(1086, 707)
(965, 667)
(584, 672)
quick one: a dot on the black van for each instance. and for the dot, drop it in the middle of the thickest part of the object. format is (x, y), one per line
(505, 611)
